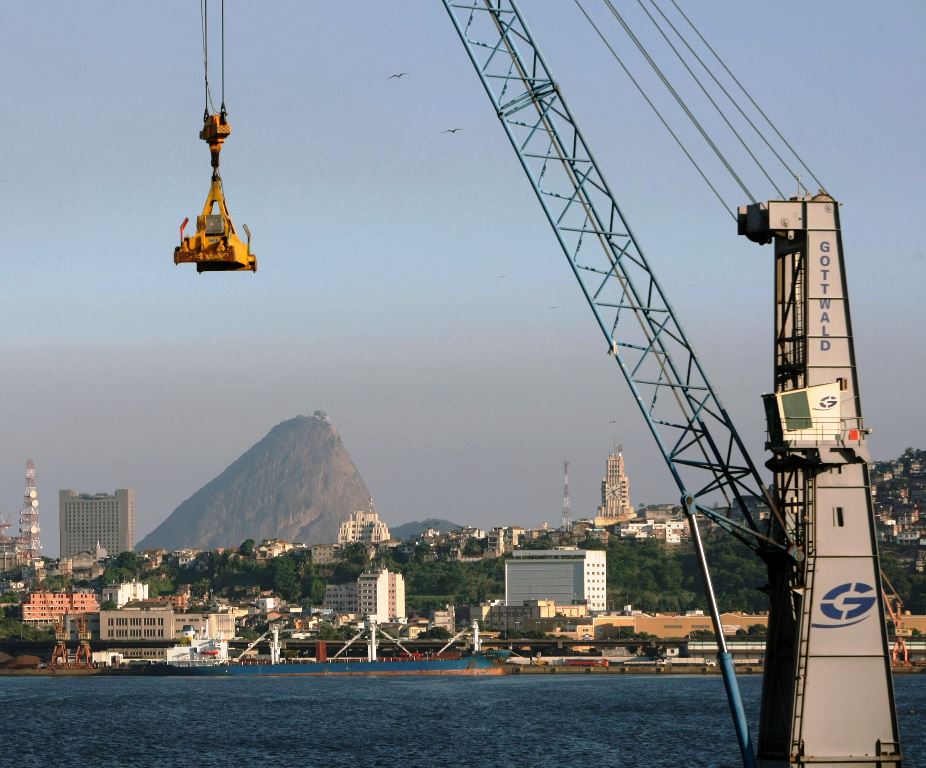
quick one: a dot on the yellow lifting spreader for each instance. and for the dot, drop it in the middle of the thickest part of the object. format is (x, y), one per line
(215, 247)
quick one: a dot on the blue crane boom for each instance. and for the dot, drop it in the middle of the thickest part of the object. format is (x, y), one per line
(693, 430)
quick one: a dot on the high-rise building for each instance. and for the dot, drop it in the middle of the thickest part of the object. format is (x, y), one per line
(381, 595)
(363, 526)
(566, 576)
(378, 595)
(615, 492)
(89, 519)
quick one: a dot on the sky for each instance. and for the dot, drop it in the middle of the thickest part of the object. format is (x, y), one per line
(407, 275)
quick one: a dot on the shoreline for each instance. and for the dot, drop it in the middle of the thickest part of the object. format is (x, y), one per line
(511, 669)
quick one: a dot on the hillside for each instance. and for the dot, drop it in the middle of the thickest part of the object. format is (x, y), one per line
(298, 483)
(416, 527)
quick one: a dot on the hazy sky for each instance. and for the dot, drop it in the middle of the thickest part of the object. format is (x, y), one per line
(382, 244)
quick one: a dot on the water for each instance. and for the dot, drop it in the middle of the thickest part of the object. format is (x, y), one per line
(549, 720)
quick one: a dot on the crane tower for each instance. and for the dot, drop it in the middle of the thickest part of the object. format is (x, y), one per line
(827, 635)
(30, 545)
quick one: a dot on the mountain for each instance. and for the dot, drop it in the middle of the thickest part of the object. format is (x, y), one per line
(297, 484)
(417, 527)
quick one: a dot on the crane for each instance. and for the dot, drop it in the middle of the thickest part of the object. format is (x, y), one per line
(215, 245)
(827, 692)
(900, 654)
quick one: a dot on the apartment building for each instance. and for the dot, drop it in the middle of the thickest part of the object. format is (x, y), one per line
(44, 608)
(565, 575)
(128, 591)
(379, 595)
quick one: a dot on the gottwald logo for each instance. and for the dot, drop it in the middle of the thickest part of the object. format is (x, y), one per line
(827, 402)
(846, 604)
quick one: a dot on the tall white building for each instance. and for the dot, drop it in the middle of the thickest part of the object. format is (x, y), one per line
(378, 595)
(566, 575)
(363, 526)
(86, 520)
(615, 492)
(381, 595)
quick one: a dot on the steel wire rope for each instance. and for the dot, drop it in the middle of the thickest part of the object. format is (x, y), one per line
(223, 57)
(679, 99)
(733, 101)
(751, 100)
(655, 109)
(708, 95)
(204, 21)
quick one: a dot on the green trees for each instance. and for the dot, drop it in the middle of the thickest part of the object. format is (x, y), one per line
(284, 578)
(435, 633)
(11, 628)
(654, 577)
(247, 548)
(125, 567)
(431, 584)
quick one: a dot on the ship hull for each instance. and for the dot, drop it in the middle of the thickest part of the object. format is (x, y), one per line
(472, 665)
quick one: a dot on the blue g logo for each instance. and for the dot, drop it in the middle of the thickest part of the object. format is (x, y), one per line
(847, 604)
(827, 402)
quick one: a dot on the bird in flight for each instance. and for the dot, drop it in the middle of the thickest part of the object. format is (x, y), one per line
(397, 75)
(452, 130)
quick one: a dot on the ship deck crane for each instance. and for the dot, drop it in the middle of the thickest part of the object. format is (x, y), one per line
(827, 689)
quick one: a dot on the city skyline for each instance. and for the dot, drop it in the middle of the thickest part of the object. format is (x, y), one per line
(408, 284)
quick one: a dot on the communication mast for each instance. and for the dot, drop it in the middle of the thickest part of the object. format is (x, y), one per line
(567, 503)
(30, 545)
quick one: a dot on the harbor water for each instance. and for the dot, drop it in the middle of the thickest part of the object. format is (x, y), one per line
(549, 720)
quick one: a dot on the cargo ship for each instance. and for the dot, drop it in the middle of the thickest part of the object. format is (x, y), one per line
(209, 658)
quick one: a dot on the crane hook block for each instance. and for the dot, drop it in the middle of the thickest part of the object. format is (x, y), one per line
(216, 129)
(215, 246)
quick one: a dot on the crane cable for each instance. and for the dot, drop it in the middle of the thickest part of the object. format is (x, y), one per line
(704, 90)
(204, 20)
(752, 101)
(672, 133)
(679, 99)
(791, 173)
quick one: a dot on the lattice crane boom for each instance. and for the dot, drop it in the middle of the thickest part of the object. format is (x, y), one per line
(693, 430)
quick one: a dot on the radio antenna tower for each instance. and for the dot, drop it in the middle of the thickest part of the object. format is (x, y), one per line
(30, 545)
(567, 503)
